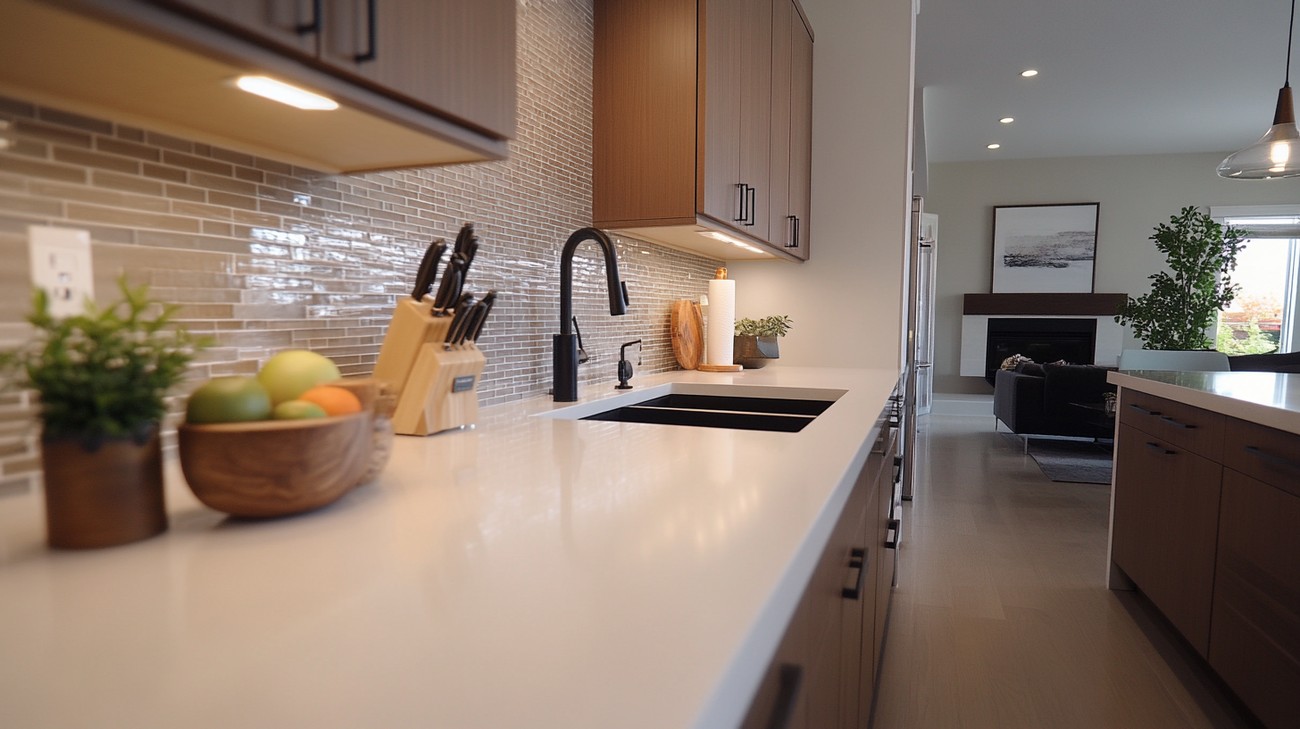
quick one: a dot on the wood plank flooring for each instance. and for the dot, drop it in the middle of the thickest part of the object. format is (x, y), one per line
(1002, 617)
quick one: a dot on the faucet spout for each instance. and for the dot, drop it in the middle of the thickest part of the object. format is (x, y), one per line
(564, 371)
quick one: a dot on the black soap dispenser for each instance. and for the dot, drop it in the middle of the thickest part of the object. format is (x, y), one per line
(624, 366)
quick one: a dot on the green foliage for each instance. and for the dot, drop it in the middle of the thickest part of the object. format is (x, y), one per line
(773, 326)
(1255, 341)
(104, 373)
(1184, 301)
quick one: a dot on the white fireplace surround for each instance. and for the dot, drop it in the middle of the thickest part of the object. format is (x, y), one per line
(975, 336)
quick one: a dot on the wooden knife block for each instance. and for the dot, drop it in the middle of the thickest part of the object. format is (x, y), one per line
(436, 385)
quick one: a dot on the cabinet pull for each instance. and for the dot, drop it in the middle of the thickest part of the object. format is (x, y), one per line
(369, 55)
(1273, 459)
(787, 696)
(753, 205)
(1176, 424)
(1143, 410)
(793, 242)
(313, 26)
(892, 541)
(857, 562)
(1160, 450)
(743, 214)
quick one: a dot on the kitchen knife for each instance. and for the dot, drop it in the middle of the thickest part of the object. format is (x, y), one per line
(461, 321)
(485, 308)
(428, 271)
(475, 318)
(449, 289)
(463, 237)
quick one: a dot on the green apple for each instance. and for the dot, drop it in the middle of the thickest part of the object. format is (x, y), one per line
(292, 372)
(234, 399)
(297, 410)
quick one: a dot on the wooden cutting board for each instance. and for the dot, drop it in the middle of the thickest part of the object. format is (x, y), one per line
(687, 333)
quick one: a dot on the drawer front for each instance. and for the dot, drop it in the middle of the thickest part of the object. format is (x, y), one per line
(1268, 454)
(1182, 425)
(1255, 634)
(1164, 529)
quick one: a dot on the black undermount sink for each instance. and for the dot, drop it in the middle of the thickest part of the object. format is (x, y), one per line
(787, 415)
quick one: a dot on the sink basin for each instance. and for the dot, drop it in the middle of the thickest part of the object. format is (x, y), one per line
(740, 407)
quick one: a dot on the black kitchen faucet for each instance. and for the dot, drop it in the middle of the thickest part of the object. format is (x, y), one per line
(564, 362)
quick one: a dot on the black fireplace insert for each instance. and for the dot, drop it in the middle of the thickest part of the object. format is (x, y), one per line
(1040, 339)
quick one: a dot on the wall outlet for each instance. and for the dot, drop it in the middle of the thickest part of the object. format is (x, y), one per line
(61, 265)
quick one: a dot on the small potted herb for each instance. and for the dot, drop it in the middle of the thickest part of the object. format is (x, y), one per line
(102, 377)
(755, 340)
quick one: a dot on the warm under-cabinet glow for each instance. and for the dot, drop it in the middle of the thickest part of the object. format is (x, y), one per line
(284, 93)
(733, 241)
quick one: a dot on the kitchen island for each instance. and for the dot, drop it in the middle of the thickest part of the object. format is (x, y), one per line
(530, 572)
(1205, 521)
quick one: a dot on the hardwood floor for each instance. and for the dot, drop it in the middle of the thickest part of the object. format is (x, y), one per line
(1002, 617)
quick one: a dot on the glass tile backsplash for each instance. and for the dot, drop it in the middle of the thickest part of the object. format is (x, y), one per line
(265, 255)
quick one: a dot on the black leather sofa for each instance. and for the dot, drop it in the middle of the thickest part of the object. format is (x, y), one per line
(1051, 399)
(1288, 362)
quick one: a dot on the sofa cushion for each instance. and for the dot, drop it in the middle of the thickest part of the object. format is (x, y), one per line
(1030, 367)
(1065, 384)
(1288, 362)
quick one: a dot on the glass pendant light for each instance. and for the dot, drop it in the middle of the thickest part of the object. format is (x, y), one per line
(1277, 153)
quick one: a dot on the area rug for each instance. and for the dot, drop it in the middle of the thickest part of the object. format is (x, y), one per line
(1072, 461)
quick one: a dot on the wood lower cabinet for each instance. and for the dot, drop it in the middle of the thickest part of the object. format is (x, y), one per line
(1166, 517)
(824, 671)
(1212, 537)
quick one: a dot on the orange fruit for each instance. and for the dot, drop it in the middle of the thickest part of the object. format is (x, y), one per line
(333, 400)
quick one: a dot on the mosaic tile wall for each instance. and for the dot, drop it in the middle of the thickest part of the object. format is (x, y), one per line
(267, 256)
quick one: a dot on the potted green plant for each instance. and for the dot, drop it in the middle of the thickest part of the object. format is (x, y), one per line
(102, 377)
(755, 342)
(1185, 300)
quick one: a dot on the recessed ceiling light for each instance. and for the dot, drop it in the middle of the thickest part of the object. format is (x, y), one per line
(284, 93)
(1007, 119)
(1029, 73)
(995, 145)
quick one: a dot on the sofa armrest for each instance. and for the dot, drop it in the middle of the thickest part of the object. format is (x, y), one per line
(1018, 400)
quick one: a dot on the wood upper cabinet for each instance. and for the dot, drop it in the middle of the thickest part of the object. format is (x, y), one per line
(694, 119)
(790, 198)
(453, 57)
(418, 83)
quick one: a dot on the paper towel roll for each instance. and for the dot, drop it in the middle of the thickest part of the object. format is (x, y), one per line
(722, 320)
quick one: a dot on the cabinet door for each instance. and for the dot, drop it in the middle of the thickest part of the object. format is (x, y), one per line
(800, 169)
(1255, 633)
(755, 114)
(289, 24)
(456, 57)
(1165, 526)
(719, 193)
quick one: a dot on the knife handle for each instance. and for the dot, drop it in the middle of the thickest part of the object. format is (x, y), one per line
(489, 300)
(428, 271)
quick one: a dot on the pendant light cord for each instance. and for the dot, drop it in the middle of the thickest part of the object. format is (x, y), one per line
(1290, 32)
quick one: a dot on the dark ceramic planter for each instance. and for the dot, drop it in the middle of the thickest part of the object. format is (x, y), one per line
(754, 352)
(103, 497)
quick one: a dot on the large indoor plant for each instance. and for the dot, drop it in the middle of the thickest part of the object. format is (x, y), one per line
(755, 340)
(1185, 300)
(102, 377)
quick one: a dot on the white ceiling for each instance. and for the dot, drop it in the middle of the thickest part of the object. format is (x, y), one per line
(1116, 77)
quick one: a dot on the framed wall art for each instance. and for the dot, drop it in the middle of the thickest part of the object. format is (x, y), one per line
(1044, 248)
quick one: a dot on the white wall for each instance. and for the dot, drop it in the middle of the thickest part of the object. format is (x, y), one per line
(845, 302)
(1136, 193)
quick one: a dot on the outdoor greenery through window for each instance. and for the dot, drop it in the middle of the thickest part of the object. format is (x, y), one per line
(1262, 318)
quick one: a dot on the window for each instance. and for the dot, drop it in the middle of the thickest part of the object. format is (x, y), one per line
(1263, 317)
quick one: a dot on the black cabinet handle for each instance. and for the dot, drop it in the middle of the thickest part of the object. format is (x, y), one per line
(743, 214)
(798, 232)
(1143, 410)
(893, 526)
(1160, 450)
(753, 205)
(858, 562)
(787, 696)
(371, 50)
(312, 26)
(1176, 424)
(1272, 458)
(793, 241)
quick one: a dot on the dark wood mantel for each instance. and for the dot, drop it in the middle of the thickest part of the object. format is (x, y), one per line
(1044, 304)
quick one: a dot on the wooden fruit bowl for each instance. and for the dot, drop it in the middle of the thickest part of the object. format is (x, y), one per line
(275, 467)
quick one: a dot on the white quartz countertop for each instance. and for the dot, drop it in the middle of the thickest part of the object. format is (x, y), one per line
(1267, 398)
(532, 572)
